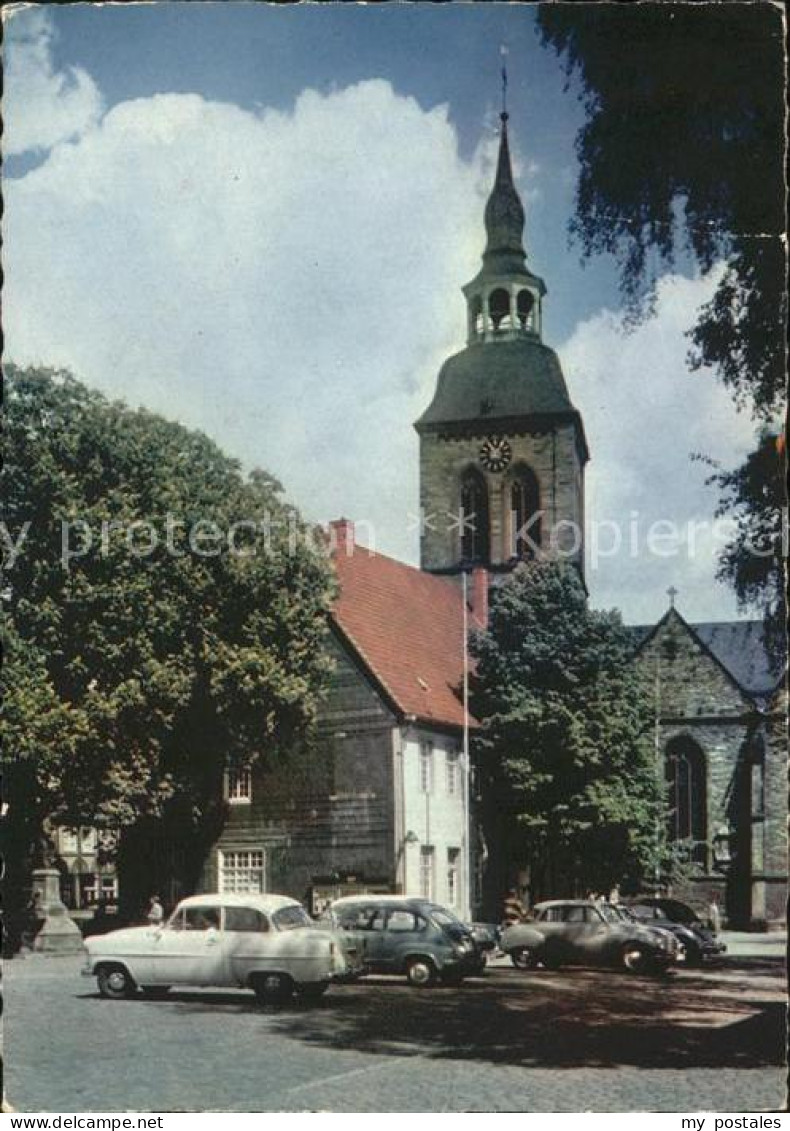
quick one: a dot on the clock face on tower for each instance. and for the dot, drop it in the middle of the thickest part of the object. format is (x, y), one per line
(495, 453)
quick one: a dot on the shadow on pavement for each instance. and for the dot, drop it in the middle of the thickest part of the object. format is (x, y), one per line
(566, 1019)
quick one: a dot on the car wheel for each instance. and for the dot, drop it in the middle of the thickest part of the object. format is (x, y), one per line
(420, 972)
(312, 991)
(155, 992)
(272, 989)
(522, 958)
(115, 982)
(635, 958)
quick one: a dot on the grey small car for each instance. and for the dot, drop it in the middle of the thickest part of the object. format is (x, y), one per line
(411, 936)
(583, 933)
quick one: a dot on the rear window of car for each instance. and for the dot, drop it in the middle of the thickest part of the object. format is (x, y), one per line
(355, 918)
(245, 919)
(289, 917)
(196, 919)
(402, 920)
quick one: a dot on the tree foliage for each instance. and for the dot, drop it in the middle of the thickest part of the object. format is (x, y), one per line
(141, 663)
(565, 745)
(682, 155)
(682, 151)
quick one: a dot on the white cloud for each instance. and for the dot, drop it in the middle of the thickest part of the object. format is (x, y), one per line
(645, 414)
(42, 106)
(289, 282)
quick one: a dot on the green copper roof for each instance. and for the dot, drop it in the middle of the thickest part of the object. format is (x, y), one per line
(497, 381)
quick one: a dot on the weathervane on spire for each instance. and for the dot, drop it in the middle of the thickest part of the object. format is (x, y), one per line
(503, 54)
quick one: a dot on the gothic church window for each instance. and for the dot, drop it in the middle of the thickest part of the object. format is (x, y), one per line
(525, 527)
(474, 518)
(686, 796)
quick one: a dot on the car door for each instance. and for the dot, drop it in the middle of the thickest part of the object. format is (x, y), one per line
(549, 924)
(377, 956)
(405, 933)
(355, 922)
(247, 938)
(587, 936)
(191, 949)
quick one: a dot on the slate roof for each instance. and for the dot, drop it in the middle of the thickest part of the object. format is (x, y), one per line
(490, 381)
(407, 628)
(738, 645)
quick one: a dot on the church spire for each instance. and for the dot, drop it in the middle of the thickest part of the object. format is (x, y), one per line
(504, 299)
(504, 214)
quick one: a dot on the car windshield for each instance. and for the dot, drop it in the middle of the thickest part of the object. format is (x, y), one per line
(625, 913)
(608, 913)
(289, 917)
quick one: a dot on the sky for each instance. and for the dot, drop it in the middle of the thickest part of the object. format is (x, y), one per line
(256, 220)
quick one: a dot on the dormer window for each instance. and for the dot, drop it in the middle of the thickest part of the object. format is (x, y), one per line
(238, 786)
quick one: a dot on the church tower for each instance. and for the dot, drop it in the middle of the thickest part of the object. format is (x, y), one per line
(502, 449)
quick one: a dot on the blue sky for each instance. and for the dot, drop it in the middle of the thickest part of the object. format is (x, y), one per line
(256, 219)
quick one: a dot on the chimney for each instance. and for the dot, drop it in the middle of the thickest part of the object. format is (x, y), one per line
(341, 536)
(479, 596)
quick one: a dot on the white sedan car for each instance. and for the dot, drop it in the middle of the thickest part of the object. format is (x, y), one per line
(266, 943)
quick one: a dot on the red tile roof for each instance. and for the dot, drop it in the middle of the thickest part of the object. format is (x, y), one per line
(407, 628)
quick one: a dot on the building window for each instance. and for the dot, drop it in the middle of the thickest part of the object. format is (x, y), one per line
(242, 871)
(525, 532)
(453, 877)
(426, 871)
(68, 841)
(238, 786)
(426, 767)
(453, 773)
(474, 517)
(686, 797)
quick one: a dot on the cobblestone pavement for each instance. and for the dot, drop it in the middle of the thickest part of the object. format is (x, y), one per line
(571, 1040)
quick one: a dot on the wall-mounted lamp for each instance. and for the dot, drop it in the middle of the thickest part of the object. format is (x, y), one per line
(722, 848)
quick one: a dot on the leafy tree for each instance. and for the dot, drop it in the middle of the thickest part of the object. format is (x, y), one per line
(682, 155)
(572, 788)
(145, 655)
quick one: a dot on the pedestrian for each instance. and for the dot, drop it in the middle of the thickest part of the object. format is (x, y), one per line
(156, 912)
(614, 895)
(514, 909)
(714, 913)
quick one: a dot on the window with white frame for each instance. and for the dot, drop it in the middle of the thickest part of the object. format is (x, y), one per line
(242, 870)
(426, 766)
(426, 871)
(453, 773)
(238, 786)
(454, 876)
(69, 841)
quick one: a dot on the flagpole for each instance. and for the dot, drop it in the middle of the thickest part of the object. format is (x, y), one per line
(467, 766)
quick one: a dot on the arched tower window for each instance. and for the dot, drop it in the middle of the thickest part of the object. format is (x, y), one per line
(475, 546)
(687, 796)
(525, 528)
(477, 314)
(525, 303)
(499, 306)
